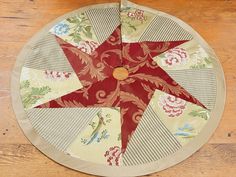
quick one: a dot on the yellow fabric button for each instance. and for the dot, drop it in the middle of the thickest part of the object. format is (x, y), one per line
(120, 73)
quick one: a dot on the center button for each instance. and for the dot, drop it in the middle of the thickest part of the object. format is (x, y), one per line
(120, 73)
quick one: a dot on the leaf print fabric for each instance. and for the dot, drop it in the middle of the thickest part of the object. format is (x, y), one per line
(38, 86)
(30, 95)
(78, 31)
(200, 113)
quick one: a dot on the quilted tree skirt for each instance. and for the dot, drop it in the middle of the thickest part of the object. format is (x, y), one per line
(118, 90)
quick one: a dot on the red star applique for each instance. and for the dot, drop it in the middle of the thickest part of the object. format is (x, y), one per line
(131, 91)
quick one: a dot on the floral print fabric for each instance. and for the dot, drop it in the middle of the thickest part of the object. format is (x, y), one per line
(184, 119)
(172, 105)
(134, 21)
(189, 55)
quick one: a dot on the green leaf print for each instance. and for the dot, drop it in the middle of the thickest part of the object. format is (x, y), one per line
(104, 135)
(133, 27)
(72, 20)
(77, 39)
(83, 140)
(208, 61)
(128, 25)
(88, 34)
(199, 66)
(124, 9)
(200, 113)
(30, 95)
(39, 92)
(88, 28)
(119, 137)
(24, 84)
(81, 26)
(202, 65)
(93, 125)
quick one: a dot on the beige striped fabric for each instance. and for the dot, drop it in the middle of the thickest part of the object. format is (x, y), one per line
(47, 55)
(60, 126)
(164, 29)
(104, 21)
(201, 83)
(150, 142)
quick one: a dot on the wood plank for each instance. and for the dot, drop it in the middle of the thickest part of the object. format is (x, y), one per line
(27, 160)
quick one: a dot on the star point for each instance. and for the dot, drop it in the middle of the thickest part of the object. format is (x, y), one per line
(130, 87)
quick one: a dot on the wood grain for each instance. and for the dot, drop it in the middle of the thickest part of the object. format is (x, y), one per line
(215, 20)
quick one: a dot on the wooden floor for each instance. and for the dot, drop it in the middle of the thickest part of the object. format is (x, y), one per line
(215, 20)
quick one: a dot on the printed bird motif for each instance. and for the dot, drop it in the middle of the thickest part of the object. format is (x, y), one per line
(187, 131)
(95, 132)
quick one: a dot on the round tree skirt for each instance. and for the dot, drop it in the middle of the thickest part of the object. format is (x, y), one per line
(118, 90)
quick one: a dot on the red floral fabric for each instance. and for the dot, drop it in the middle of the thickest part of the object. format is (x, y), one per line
(131, 95)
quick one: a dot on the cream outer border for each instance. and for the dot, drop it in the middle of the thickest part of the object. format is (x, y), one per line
(103, 170)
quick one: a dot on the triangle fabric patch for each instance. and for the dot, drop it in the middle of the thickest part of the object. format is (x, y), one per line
(104, 17)
(202, 79)
(46, 54)
(150, 142)
(164, 29)
(60, 126)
